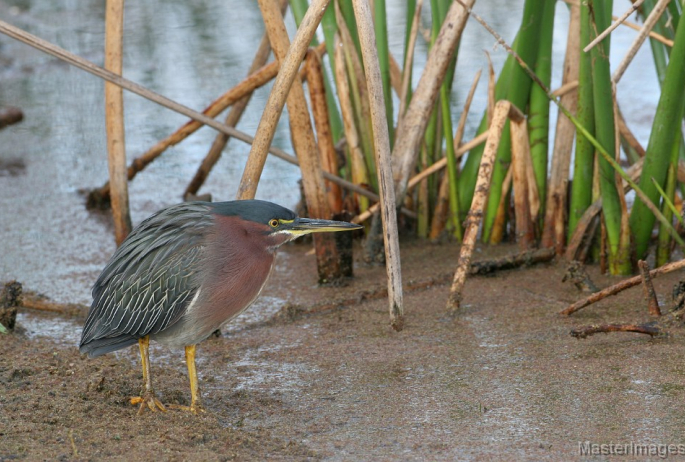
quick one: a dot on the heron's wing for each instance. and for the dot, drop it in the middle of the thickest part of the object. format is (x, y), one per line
(149, 281)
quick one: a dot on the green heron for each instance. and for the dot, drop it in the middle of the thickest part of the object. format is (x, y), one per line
(183, 273)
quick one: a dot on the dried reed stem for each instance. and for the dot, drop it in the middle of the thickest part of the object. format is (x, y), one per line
(357, 163)
(324, 136)
(554, 231)
(409, 59)
(367, 39)
(584, 332)
(503, 110)
(242, 90)
(653, 35)
(648, 288)
(520, 156)
(114, 120)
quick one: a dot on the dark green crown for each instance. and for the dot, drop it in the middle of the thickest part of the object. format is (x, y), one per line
(253, 210)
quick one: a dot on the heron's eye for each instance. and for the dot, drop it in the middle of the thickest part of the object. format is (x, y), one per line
(273, 223)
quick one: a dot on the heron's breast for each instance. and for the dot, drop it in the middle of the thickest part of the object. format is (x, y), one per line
(240, 266)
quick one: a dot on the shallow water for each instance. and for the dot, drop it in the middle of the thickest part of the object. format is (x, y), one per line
(190, 52)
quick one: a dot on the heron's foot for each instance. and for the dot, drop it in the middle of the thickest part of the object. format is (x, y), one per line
(148, 400)
(195, 408)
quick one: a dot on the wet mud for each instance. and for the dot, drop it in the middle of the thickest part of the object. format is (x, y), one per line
(503, 379)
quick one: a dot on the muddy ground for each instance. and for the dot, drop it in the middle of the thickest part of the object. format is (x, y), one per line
(504, 379)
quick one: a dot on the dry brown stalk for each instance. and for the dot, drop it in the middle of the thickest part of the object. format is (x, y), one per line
(33, 302)
(554, 231)
(627, 134)
(492, 81)
(441, 210)
(409, 59)
(631, 25)
(565, 88)
(303, 141)
(114, 120)
(499, 225)
(367, 39)
(648, 286)
(412, 125)
(324, 136)
(395, 75)
(360, 175)
(289, 67)
(654, 35)
(621, 286)
(584, 332)
(442, 163)
(461, 126)
(520, 155)
(503, 110)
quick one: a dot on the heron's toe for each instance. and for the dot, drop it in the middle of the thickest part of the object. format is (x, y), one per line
(148, 400)
(195, 408)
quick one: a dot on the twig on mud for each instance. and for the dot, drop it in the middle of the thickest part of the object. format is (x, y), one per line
(14, 295)
(36, 302)
(623, 285)
(650, 295)
(512, 261)
(584, 332)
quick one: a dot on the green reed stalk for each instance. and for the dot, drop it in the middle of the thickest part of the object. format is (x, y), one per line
(581, 192)
(618, 241)
(381, 29)
(665, 132)
(538, 119)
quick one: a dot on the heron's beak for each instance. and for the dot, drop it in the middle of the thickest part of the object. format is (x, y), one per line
(303, 226)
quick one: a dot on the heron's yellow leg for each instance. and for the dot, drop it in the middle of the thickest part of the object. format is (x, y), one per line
(195, 405)
(192, 375)
(148, 396)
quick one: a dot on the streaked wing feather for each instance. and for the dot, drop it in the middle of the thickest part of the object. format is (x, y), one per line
(152, 277)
